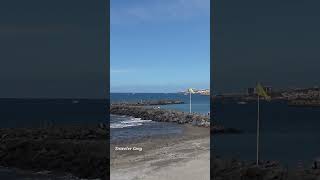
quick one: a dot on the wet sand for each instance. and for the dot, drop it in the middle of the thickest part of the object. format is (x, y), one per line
(185, 156)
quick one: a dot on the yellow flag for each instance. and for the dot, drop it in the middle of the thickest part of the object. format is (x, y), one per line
(261, 92)
(190, 90)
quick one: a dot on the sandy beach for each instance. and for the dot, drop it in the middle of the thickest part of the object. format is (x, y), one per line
(185, 156)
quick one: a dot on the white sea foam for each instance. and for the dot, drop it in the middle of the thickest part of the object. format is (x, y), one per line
(135, 120)
(128, 123)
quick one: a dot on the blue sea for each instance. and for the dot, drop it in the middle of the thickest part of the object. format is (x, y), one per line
(42, 112)
(290, 135)
(124, 127)
(200, 103)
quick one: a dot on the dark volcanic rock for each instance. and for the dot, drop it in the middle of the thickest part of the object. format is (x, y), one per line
(81, 151)
(238, 170)
(163, 115)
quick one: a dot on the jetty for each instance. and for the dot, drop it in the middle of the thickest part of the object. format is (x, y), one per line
(165, 115)
(161, 115)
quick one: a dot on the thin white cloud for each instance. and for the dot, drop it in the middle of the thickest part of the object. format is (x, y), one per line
(162, 10)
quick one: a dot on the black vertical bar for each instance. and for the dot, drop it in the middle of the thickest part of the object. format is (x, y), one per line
(108, 84)
(212, 154)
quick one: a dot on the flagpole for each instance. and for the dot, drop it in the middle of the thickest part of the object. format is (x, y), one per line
(258, 129)
(190, 102)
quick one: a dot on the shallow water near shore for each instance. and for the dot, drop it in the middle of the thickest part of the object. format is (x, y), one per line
(126, 128)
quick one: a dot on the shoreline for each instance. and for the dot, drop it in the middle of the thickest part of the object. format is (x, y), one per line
(184, 156)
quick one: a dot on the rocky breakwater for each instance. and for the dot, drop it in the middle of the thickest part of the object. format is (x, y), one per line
(161, 115)
(81, 151)
(164, 115)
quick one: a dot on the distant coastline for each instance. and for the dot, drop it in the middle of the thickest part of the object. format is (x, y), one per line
(299, 97)
(204, 92)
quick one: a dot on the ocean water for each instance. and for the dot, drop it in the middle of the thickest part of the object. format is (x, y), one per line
(124, 127)
(200, 103)
(42, 112)
(290, 135)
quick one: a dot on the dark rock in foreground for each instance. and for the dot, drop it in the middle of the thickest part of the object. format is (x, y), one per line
(238, 170)
(79, 151)
(267, 170)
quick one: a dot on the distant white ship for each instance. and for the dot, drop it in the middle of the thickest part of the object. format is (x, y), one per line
(242, 102)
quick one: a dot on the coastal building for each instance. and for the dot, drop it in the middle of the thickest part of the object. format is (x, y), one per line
(205, 92)
(253, 91)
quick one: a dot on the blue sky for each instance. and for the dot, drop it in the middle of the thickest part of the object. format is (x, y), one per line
(159, 45)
